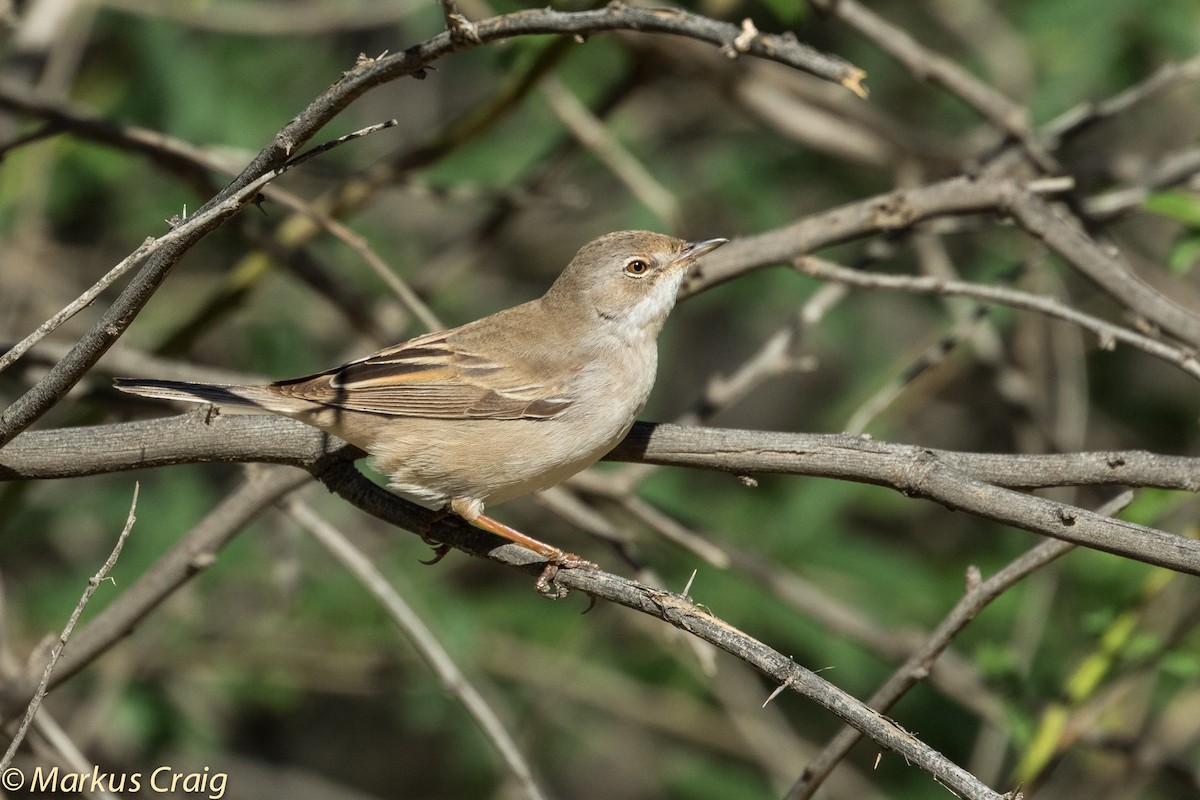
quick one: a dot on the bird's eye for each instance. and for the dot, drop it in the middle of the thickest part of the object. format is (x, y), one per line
(636, 267)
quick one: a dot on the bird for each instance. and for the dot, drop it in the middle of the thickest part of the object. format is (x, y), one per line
(512, 403)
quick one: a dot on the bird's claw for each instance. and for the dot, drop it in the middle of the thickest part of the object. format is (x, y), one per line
(440, 549)
(546, 585)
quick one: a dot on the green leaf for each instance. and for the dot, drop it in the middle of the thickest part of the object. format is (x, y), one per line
(1177, 205)
(1184, 255)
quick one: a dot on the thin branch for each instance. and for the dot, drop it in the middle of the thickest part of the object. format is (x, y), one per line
(44, 684)
(592, 134)
(1108, 333)
(422, 638)
(1087, 115)
(134, 259)
(193, 553)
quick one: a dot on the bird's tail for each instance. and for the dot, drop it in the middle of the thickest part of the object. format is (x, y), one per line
(244, 396)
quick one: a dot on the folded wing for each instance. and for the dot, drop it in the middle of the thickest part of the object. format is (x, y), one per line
(433, 377)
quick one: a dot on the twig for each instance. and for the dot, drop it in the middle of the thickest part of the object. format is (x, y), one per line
(1108, 333)
(84, 300)
(604, 146)
(187, 558)
(421, 637)
(1083, 117)
(44, 684)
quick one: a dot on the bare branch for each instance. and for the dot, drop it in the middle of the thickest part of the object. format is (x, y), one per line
(191, 554)
(421, 637)
(1108, 333)
(676, 610)
(44, 684)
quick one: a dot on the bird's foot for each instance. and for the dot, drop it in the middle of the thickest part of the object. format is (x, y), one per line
(546, 585)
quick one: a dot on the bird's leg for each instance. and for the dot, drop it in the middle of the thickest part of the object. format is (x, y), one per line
(556, 559)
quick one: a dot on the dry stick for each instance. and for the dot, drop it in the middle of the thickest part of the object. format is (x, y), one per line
(422, 638)
(134, 259)
(594, 136)
(188, 557)
(918, 665)
(677, 610)
(955, 676)
(1108, 333)
(1083, 117)
(362, 248)
(44, 684)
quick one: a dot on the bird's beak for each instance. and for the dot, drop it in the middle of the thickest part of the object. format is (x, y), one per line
(693, 250)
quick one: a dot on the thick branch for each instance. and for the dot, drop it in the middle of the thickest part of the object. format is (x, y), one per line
(975, 483)
(202, 436)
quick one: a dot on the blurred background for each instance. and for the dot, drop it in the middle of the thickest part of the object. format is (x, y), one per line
(276, 667)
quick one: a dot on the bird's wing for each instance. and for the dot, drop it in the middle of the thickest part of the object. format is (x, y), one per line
(433, 376)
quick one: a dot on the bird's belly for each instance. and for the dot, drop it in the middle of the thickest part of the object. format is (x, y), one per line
(492, 460)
